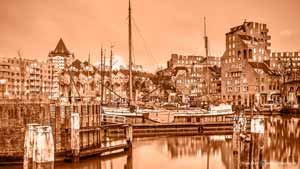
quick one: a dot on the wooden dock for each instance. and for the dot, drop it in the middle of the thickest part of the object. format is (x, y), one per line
(159, 129)
(103, 151)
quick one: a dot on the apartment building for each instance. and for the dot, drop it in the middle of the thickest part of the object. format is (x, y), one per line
(246, 75)
(195, 77)
(24, 78)
(288, 64)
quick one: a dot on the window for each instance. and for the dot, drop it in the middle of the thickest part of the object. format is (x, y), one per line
(256, 88)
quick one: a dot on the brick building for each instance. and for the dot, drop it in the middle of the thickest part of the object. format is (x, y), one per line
(195, 77)
(246, 75)
(281, 61)
(288, 64)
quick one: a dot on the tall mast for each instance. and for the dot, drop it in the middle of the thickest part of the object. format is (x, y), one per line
(110, 73)
(205, 39)
(101, 70)
(88, 73)
(130, 54)
(206, 56)
(103, 67)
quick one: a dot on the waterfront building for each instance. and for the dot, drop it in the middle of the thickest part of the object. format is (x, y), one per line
(24, 78)
(288, 64)
(59, 59)
(83, 80)
(289, 61)
(214, 61)
(247, 78)
(142, 85)
(79, 80)
(196, 78)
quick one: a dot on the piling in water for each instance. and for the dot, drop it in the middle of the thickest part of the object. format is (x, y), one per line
(43, 154)
(75, 137)
(28, 145)
(129, 135)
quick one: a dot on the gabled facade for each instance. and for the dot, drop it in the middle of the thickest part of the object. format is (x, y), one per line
(246, 75)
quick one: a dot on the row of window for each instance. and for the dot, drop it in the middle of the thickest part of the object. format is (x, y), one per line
(286, 54)
(234, 74)
(237, 89)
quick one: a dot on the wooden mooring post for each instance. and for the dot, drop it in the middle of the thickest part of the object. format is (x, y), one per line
(43, 148)
(129, 134)
(28, 145)
(129, 139)
(75, 136)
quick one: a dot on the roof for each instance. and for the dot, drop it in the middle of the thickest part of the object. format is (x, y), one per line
(176, 69)
(60, 49)
(237, 28)
(264, 67)
(240, 27)
(247, 37)
(293, 82)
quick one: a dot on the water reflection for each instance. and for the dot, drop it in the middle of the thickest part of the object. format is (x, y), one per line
(119, 161)
(277, 148)
(282, 141)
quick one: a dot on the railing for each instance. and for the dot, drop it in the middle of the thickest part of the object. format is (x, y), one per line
(113, 119)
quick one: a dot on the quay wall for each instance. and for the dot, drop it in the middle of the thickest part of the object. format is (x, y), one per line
(15, 116)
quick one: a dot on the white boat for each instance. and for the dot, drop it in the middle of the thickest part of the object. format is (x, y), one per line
(220, 109)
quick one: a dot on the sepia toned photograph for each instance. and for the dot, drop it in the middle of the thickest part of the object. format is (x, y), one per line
(149, 84)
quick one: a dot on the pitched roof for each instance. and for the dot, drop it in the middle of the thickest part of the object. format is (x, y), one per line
(60, 49)
(237, 28)
(240, 27)
(264, 67)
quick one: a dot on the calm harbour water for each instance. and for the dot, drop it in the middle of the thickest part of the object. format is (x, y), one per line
(280, 149)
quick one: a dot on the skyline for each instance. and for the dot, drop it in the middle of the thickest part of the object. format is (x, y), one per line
(85, 25)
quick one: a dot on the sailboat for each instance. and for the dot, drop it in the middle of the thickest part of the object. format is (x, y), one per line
(131, 102)
(212, 107)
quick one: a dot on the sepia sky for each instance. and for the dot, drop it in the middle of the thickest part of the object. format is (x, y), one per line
(163, 26)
